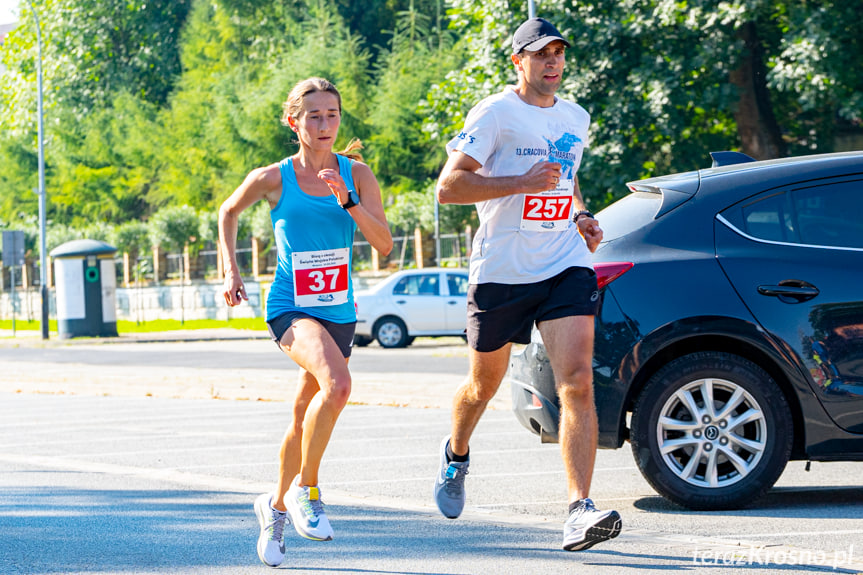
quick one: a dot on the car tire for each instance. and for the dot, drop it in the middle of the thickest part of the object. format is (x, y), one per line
(362, 340)
(391, 332)
(716, 457)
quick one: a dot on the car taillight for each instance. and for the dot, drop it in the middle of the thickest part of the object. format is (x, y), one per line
(607, 272)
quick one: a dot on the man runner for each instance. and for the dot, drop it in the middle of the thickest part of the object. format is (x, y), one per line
(517, 159)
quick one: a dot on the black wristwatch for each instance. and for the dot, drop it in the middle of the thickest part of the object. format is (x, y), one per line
(351, 203)
(582, 213)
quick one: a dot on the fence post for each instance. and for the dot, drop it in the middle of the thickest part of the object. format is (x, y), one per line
(468, 241)
(256, 263)
(126, 271)
(418, 247)
(187, 274)
(376, 260)
(156, 266)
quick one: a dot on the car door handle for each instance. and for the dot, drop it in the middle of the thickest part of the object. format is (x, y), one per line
(790, 292)
(452, 302)
(401, 301)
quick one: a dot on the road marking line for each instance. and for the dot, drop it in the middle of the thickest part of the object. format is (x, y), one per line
(795, 533)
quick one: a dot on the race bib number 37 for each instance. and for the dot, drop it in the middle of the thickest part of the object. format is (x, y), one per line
(547, 211)
(321, 277)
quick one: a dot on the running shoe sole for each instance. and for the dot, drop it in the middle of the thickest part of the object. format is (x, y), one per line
(605, 529)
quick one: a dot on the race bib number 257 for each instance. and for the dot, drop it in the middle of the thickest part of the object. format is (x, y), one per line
(547, 211)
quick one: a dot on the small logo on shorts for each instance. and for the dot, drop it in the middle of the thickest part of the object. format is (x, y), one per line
(594, 296)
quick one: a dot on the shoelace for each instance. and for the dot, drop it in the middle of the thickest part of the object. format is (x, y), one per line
(454, 483)
(311, 508)
(585, 507)
(317, 507)
(277, 526)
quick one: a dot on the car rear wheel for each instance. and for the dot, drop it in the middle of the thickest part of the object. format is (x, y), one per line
(711, 431)
(391, 332)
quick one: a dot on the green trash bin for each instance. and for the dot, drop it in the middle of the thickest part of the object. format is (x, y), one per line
(86, 289)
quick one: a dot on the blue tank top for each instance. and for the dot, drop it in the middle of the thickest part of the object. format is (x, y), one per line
(314, 238)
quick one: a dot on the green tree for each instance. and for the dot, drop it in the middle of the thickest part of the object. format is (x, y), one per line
(174, 227)
(420, 53)
(260, 223)
(107, 67)
(224, 118)
(132, 238)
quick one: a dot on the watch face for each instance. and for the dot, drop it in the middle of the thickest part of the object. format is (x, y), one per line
(353, 200)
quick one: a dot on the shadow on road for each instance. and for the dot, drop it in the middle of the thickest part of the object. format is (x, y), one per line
(52, 530)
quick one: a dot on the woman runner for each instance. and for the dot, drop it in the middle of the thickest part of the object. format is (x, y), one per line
(317, 200)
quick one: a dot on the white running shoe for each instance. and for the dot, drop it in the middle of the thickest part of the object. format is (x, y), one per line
(307, 512)
(587, 526)
(271, 542)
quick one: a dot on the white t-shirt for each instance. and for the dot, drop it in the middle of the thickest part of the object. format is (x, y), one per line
(525, 239)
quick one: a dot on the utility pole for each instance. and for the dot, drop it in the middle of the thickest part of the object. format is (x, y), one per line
(531, 9)
(43, 256)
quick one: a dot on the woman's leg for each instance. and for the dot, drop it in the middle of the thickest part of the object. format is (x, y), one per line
(291, 454)
(315, 351)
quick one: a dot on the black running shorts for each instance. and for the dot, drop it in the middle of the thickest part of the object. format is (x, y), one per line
(342, 333)
(498, 314)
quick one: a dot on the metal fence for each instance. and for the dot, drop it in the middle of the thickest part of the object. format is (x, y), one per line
(454, 252)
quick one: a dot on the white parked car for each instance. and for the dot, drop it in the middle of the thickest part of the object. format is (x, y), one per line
(429, 302)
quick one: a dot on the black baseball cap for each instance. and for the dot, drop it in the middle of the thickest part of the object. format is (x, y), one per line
(534, 35)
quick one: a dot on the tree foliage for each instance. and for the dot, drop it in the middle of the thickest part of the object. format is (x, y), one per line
(157, 105)
(174, 227)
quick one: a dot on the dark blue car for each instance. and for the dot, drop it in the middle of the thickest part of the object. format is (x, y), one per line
(730, 337)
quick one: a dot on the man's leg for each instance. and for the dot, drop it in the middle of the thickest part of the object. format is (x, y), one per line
(569, 343)
(471, 399)
(486, 373)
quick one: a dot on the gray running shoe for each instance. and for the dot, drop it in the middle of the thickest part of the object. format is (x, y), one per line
(307, 511)
(588, 526)
(449, 484)
(271, 542)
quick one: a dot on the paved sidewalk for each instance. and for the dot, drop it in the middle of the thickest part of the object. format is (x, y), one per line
(34, 337)
(225, 364)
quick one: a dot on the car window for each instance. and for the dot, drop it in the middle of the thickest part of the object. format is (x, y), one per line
(769, 219)
(829, 215)
(823, 215)
(457, 284)
(424, 284)
(628, 214)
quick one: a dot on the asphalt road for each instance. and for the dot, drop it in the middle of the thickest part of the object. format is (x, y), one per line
(132, 475)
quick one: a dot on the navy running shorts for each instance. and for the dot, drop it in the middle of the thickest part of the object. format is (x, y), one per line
(498, 314)
(342, 333)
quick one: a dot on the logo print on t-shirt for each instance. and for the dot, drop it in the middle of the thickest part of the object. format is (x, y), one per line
(561, 151)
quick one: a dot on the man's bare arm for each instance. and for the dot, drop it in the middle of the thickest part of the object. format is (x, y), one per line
(460, 184)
